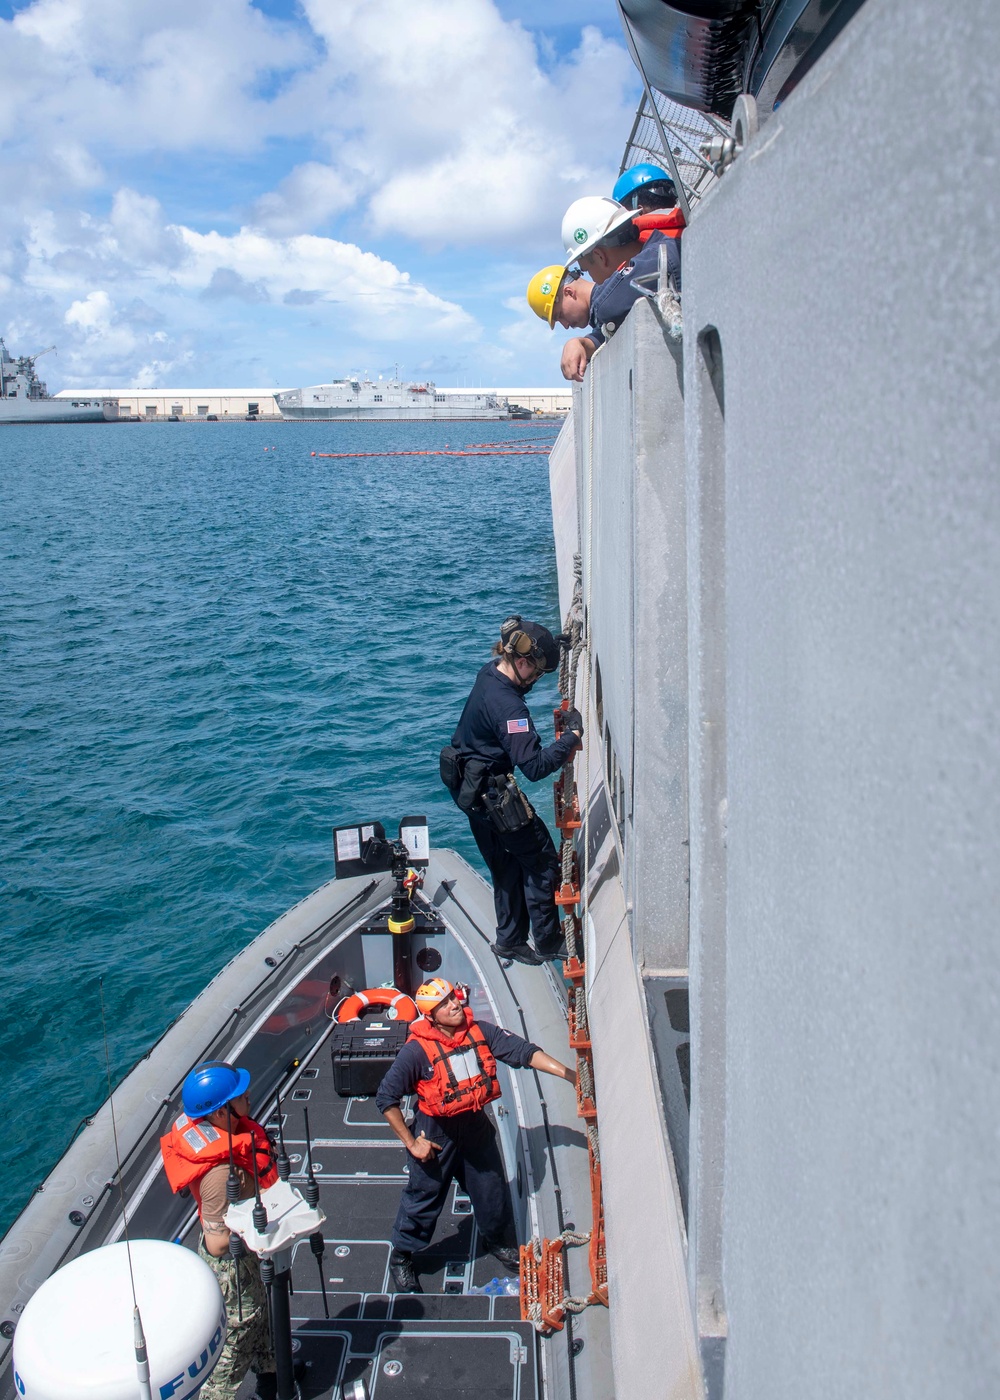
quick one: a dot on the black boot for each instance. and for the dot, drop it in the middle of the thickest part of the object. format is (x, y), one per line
(267, 1386)
(404, 1275)
(518, 952)
(508, 1255)
(554, 951)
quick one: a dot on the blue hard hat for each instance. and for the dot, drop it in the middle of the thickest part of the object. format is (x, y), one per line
(636, 179)
(212, 1085)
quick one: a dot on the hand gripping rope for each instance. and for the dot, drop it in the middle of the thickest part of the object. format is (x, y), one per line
(544, 1300)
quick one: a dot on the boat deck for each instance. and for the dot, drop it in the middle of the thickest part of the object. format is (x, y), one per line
(460, 1343)
(270, 1010)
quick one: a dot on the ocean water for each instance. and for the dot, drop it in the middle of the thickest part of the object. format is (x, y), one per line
(210, 655)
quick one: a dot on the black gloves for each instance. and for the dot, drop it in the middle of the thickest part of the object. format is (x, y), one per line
(572, 719)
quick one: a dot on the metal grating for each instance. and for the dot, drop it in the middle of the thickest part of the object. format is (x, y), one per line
(685, 130)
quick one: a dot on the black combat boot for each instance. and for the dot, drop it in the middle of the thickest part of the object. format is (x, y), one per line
(267, 1386)
(508, 1255)
(404, 1275)
(518, 952)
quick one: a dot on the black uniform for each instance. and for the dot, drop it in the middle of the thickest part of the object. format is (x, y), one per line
(611, 302)
(496, 726)
(469, 1150)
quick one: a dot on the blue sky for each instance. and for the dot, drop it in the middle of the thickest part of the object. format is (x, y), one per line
(219, 193)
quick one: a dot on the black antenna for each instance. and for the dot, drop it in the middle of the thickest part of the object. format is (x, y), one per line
(312, 1200)
(259, 1216)
(267, 1279)
(283, 1164)
(236, 1246)
(259, 1212)
(139, 1339)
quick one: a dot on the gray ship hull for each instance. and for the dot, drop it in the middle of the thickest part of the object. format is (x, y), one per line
(787, 526)
(57, 411)
(386, 401)
(391, 414)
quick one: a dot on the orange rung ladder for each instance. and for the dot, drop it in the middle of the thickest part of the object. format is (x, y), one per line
(598, 1245)
(543, 1285)
(578, 1040)
(567, 812)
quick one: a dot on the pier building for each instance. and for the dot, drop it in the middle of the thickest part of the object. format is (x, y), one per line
(151, 404)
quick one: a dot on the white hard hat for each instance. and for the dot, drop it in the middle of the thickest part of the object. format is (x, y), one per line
(588, 220)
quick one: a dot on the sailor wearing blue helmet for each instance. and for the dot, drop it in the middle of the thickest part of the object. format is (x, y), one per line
(644, 188)
(215, 1135)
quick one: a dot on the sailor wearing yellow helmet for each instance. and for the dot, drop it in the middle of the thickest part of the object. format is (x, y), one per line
(561, 294)
(601, 235)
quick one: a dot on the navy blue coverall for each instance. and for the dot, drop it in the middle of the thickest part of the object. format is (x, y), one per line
(496, 726)
(469, 1150)
(612, 300)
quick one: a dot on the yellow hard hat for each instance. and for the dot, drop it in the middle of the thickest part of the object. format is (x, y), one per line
(543, 289)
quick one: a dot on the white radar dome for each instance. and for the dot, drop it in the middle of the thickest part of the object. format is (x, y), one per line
(75, 1339)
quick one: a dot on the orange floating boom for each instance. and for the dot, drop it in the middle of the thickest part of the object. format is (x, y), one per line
(445, 452)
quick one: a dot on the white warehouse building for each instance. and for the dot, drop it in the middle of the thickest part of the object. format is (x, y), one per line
(151, 404)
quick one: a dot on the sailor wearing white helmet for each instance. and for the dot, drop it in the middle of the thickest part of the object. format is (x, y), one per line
(600, 236)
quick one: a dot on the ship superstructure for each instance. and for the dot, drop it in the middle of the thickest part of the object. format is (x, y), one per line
(24, 398)
(386, 400)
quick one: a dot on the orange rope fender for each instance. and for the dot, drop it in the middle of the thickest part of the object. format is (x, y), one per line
(397, 1004)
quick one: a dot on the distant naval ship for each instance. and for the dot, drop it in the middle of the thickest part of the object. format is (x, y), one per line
(25, 399)
(386, 399)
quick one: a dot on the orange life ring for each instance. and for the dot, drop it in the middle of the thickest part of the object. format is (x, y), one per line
(398, 1004)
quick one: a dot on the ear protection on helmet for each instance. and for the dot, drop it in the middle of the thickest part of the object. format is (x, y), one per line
(516, 642)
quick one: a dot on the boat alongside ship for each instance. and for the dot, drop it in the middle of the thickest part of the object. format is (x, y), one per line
(274, 1010)
(24, 398)
(386, 400)
(779, 842)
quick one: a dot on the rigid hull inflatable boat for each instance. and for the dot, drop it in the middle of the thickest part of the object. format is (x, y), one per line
(273, 1010)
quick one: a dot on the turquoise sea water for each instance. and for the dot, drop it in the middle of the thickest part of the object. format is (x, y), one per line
(209, 656)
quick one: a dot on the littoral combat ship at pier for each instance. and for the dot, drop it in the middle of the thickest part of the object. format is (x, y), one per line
(777, 526)
(386, 400)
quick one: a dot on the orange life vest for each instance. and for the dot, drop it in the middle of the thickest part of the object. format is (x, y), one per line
(193, 1147)
(464, 1070)
(667, 221)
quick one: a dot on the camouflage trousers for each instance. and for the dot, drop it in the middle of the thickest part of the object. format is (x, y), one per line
(248, 1343)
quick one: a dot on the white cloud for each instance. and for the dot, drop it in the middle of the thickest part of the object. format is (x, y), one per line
(177, 266)
(384, 301)
(439, 114)
(304, 200)
(466, 136)
(135, 74)
(414, 122)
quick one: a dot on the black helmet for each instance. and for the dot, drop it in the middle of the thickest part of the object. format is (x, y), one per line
(520, 638)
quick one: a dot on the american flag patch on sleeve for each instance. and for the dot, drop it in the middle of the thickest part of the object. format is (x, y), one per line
(517, 726)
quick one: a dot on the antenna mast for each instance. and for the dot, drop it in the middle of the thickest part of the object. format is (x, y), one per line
(139, 1339)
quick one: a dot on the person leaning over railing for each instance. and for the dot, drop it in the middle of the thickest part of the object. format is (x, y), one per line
(601, 236)
(561, 294)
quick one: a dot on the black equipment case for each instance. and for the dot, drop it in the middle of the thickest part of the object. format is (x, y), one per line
(362, 1051)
